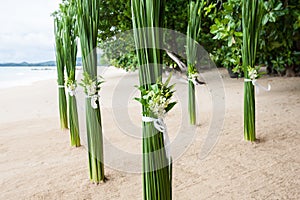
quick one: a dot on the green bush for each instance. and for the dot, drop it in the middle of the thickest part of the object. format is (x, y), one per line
(221, 33)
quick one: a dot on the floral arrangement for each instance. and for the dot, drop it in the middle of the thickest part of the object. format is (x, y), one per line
(192, 73)
(71, 86)
(253, 73)
(92, 88)
(157, 99)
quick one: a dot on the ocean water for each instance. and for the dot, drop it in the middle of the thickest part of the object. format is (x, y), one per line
(21, 76)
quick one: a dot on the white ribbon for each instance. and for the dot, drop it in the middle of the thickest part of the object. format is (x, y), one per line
(254, 83)
(94, 99)
(161, 127)
(193, 80)
(61, 86)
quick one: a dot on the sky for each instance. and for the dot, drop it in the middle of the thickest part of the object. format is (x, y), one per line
(26, 30)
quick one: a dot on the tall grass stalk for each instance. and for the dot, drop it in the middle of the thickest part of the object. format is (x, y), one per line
(70, 51)
(59, 52)
(193, 32)
(88, 23)
(252, 13)
(157, 172)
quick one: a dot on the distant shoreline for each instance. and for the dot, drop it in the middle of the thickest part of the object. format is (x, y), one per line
(38, 64)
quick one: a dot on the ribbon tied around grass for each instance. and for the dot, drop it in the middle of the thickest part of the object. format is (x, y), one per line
(92, 88)
(193, 78)
(160, 125)
(253, 75)
(94, 99)
(61, 86)
(259, 86)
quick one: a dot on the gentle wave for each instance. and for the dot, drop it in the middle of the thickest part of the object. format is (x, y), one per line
(21, 76)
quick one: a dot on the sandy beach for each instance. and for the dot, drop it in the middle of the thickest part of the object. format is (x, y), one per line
(37, 161)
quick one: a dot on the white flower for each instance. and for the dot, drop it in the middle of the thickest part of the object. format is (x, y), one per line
(91, 89)
(157, 105)
(253, 73)
(72, 89)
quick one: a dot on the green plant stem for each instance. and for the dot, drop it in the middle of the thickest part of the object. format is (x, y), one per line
(249, 112)
(62, 104)
(157, 176)
(192, 103)
(73, 121)
(95, 143)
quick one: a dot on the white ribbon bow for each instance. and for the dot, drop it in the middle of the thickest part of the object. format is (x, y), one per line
(254, 83)
(94, 99)
(161, 127)
(193, 80)
(61, 86)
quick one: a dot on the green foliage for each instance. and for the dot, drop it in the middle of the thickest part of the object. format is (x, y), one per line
(279, 39)
(221, 31)
(280, 36)
(116, 18)
(226, 29)
(91, 86)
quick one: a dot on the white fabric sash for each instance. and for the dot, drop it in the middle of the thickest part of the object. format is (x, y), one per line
(193, 80)
(161, 127)
(94, 99)
(258, 86)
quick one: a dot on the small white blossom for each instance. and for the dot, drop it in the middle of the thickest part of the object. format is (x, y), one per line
(253, 73)
(91, 89)
(71, 89)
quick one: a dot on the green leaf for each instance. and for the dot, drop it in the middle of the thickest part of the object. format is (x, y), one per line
(278, 7)
(265, 20)
(238, 34)
(170, 106)
(230, 41)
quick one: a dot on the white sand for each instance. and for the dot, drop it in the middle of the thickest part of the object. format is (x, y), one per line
(36, 161)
